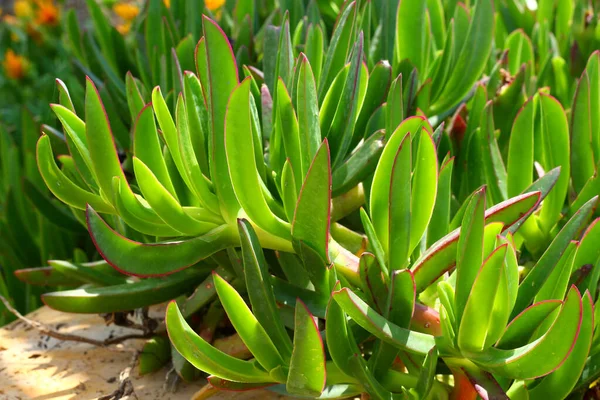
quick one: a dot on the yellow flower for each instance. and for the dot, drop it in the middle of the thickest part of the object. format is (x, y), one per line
(46, 13)
(212, 5)
(124, 28)
(23, 9)
(126, 11)
(167, 3)
(15, 66)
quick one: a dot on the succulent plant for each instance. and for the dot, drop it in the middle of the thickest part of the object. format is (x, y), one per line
(411, 228)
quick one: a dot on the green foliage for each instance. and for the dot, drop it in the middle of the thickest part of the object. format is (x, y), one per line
(411, 185)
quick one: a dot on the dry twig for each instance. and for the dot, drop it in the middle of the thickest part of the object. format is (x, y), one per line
(46, 330)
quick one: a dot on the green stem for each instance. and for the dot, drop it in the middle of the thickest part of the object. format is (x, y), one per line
(348, 202)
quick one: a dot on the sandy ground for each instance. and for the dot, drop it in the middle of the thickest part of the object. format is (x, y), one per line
(39, 367)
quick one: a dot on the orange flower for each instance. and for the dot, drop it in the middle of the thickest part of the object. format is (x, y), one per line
(15, 66)
(124, 28)
(46, 13)
(167, 3)
(126, 11)
(212, 5)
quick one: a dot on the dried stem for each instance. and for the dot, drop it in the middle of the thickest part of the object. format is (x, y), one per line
(46, 330)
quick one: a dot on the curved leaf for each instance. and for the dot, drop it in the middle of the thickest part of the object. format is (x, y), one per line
(206, 357)
(155, 259)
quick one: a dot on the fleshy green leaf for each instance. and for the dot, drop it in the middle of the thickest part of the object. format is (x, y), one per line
(312, 215)
(206, 357)
(247, 326)
(307, 366)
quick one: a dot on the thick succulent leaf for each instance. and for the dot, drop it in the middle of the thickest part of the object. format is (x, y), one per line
(260, 290)
(380, 190)
(339, 133)
(395, 109)
(521, 150)
(399, 212)
(136, 212)
(206, 357)
(315, 49)
(399, 309)
(288, 128)
(553, 347)
(242, 164)
(100, 141)
(247, 326)
(469, 256)
(441, 256)
(472, 59)
(495, 172)
(543, 185)
(313, 210)
(86, 274)
(147, 147)
(64, 97)
(375, 285)
(126, 296)
(307, 373)
(154, 259)
(557, 283)
(232, 386)
(289, 193)
(521, 328)
(155, 354)
(424, 187)
(74, 129)
(543, 268)
(197, 113)
(307, 107)
(166, 206)
(46, 276)
(288, 294)
(345, 352)
(560, 383)
(190, 167)
(442, 209)
(61, 186)
(338, 48)
(479, 308)
(412, 34)
(135, 101)
(369, 319)
(380, 78)
(588, 254)
(439, 73)
(374, 244)
(359, 165)
(520, 51)
(554, 135)
(585, 125)
(221, 76)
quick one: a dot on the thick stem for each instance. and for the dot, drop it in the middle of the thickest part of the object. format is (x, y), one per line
(348, 202)
(345, 262)
(463, 389)
(426, 320)
(471, 381)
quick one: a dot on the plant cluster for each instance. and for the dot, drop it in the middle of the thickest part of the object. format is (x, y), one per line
(391, 198)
